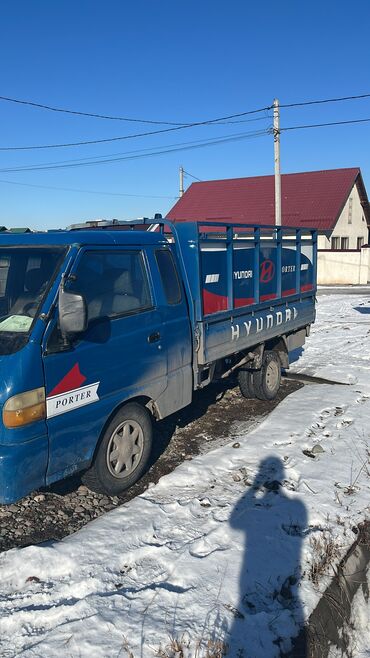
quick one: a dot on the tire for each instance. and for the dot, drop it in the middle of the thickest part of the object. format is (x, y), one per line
(123, 452)
(245, 381)
(266, 381)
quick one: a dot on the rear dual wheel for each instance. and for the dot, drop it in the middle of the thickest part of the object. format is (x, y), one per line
(245, 381)
(264, 383)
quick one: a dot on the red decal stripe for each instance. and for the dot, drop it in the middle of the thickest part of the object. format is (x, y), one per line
(305, 288)
(264, 298)
(291, 291)
(213, 303)
(243, 301)
(73, 379)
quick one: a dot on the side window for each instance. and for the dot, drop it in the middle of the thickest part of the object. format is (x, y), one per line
(169, 276)
(112, 284)
(4, 269)
(335, 243)
(34, 262)
(360, 242)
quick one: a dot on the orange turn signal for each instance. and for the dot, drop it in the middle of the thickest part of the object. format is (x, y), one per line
(25, 408)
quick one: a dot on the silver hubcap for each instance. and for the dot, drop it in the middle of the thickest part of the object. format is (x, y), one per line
(272, 375)
(125, 449)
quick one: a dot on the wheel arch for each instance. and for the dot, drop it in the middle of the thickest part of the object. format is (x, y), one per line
(98, 475)
(142, 400)
(279, 345)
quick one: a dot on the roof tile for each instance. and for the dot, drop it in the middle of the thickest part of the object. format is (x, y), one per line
(312, 199)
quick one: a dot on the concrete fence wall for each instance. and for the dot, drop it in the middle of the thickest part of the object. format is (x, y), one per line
(343, 267)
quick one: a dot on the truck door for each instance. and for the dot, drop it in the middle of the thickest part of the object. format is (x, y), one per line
(176, 332)
(118, 357)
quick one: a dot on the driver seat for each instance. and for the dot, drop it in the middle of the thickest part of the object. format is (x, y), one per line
(34, 281)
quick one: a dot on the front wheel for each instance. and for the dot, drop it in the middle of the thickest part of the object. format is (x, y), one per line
(266, 381)
(123, 452)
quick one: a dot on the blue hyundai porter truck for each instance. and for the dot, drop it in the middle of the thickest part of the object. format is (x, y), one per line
(105, 330)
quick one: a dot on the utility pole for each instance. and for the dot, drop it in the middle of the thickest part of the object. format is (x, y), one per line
(277, 163)
(181, 171)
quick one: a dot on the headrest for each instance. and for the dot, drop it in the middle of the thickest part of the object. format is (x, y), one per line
(122, 284)
(33, 280)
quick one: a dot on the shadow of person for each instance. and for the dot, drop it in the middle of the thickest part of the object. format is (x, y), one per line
(269, 614)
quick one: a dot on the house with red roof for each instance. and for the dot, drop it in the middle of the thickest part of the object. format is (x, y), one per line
(333, 201)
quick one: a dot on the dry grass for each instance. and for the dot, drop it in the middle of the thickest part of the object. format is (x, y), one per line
(324, 553)
(126, 648)
(215, 649)
(179, 648)
(174, 649)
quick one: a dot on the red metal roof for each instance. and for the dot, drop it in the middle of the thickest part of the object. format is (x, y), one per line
(312, 199)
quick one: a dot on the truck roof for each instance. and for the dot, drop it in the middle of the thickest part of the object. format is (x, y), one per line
(82, 237)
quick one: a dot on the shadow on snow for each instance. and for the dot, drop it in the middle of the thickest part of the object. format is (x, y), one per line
(269, 614)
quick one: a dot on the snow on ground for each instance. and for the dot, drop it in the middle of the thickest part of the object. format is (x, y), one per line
(230, 548)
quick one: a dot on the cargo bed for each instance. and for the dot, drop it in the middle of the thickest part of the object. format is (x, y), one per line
(232, 308)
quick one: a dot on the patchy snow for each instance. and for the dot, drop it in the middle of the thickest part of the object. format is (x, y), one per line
(226, 550)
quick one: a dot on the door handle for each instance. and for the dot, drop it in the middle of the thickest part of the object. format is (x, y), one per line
(154, 338)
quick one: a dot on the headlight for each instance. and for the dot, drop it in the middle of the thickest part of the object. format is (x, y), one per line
(25, 408)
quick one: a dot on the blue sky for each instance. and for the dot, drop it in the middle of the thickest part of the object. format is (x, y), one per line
(172, 61)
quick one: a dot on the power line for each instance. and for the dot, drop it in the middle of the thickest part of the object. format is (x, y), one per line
(191, 176)
(208, 122)
(100, 116)
(93, 115)
(87, 159)
(228, 123)
(128, 155)
(103, 116)
(112, 155)
(327, 100)
(73, 189)
(321, 125)
(174, 126)
(174, 148)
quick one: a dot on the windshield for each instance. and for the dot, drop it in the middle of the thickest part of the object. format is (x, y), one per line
(25, 276)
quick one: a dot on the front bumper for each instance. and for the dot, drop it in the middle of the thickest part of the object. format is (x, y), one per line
(22, 468)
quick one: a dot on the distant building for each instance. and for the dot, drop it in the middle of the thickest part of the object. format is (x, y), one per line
(15, 230)
(333, 201)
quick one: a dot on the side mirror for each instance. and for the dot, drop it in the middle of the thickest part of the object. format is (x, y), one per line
(72, 312)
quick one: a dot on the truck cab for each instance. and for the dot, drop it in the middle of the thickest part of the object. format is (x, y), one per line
(89, 320)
